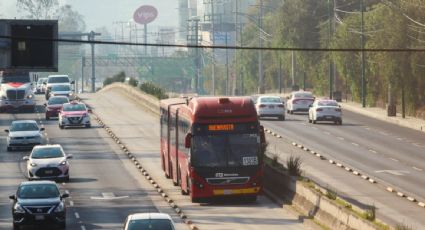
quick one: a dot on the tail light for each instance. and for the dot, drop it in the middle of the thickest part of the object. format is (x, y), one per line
(319, 110)
(262, 106)
(338, 109)
(280, 106)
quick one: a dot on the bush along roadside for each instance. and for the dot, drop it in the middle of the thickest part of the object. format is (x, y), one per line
(152, 89)
(120, 77)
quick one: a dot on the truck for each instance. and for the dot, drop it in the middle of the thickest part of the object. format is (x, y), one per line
(16, 91)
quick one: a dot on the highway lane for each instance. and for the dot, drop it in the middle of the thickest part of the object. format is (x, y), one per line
(104, 186)
(391, 153)
(139, 130)
(388, 152)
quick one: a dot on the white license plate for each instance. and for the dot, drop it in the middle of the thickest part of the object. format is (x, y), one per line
(39, 217)
(271, 106)
(48, 171)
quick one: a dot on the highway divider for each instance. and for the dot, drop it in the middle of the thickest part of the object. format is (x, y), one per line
(307, 197)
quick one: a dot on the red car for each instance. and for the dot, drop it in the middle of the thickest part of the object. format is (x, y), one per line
(54, 105)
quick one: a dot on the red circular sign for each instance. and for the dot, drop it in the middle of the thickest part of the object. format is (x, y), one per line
(145, 14)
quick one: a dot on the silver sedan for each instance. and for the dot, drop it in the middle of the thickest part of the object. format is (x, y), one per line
(24, 134)
(270, 106)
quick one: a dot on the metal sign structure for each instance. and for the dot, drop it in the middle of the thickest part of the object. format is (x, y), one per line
(145, 14)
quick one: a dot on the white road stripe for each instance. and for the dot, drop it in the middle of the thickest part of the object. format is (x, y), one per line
(417, 169)
(77, 215)
(355, 144)
(304, 123)
(372, 151)
(71, 203)
(327, 133)
(83, 227)
(393, 159)
(384, 133)
(314, 127)
(341, 138)
(399, 138)
(418, 145)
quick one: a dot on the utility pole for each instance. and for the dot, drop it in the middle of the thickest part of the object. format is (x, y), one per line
(260, 51)
(292, 69)
(227, 66)
(193, 39)
(363, 56)
(213, 43)
(83, 64)
(280, 75)
(90, 37)
(236, 43)
(331, 77)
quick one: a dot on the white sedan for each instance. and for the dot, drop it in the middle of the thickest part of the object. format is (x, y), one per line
(48, 162)
(270, 106)
(299, 101)
(325, 110)
(24, 134)
(149, 221)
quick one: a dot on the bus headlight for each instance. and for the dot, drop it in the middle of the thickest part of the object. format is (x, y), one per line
(30, 96)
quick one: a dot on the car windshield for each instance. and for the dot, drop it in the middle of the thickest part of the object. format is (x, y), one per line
(47, 152)
(58, 80)
(303, 95)
(150, 224)
(38, 191)
(270, 100)
(74, 107)
(61, 88)
(57, 100)
(23, 126)
(225, 150)
(327, 103)
(17, 78)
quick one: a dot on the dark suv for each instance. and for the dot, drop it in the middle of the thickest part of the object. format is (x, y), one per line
(38, 202)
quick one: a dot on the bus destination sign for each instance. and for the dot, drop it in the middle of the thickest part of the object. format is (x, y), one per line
(221, 127)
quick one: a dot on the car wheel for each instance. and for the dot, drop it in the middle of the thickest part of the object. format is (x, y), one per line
(283, 118)
(314, 121)
(47, 117)
(340, 122)
(61, 126)
(88, 126)
(66, 179)
(62, 225)
(16, 226)
(9, 149)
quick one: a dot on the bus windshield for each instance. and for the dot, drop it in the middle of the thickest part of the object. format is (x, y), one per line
(225, 150)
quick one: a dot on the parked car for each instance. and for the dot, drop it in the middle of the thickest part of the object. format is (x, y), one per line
(40, 86)
(37, 202)
(74, 114)
(299, 101)
(62, 90)
(325, 110)
(56, 80)
(24, 134)
(54, 105)
(48, 162)
(270, 106)
(149, 221)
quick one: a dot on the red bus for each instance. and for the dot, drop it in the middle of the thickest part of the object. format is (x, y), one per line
(212, 146)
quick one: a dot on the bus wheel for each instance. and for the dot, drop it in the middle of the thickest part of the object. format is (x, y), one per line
(172, 176)
(187, 188)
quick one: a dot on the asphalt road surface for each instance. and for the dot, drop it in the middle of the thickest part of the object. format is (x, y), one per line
(139, 131)
(391, 154)
(104, 187)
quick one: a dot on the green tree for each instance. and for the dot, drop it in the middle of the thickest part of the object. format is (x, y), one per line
(38, 9)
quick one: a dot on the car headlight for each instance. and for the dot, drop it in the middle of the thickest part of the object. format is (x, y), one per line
(63, 163)
(18, 208)
(33, 164)
(30, 96)
(60, 207)
(85, 115)
(70, 94)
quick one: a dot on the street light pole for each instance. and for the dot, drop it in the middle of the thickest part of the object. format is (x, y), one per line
(363, 56)
(260, 51)
(331, 77)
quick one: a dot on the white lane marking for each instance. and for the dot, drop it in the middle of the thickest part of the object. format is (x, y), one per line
(418, 145)
(327, 133)
(417, 169)
(66, 191)
(399, 138)
(314, 127)
(71, 203)
(341, 138)
(394, 172)
(367, 128)
(304, 123)
(372, 151)
(393, 159)
(83, 227)
(355, 144)
(384, 133)
(108, 196)
(77, 215)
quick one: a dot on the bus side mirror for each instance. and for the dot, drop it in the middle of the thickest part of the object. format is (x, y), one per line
(187, 140)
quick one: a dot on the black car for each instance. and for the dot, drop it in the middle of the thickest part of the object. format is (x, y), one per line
(38, 202)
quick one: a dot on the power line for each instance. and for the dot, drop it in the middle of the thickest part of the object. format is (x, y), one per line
(221, 46)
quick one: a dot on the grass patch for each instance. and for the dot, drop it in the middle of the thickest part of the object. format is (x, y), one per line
(403, 226)
(293, 164)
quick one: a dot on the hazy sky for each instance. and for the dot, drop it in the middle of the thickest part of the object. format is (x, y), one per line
(98, 13)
